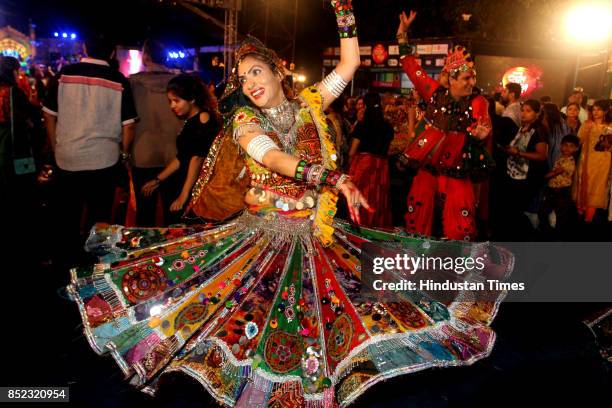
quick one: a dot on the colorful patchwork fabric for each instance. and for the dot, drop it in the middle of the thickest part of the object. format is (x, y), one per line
(260, 313)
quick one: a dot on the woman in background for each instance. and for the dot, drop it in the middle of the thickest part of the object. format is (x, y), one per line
(525, 168)
(369, 166)
(591, 187)
(572, 119)
(189, 100)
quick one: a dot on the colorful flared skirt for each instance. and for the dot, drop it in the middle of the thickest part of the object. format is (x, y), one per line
(261, 314)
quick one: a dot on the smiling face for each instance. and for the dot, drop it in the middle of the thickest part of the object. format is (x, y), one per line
(463, 84)
(259, 83)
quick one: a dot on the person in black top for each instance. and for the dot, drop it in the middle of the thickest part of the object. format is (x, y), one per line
(525, 169)
(369, 167)
(504, 130)
(189, 100)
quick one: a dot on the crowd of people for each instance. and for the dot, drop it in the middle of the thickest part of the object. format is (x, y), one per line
(258, 296)
(551, 178)
(552, 173)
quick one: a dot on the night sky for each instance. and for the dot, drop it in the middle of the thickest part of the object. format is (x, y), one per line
(129, 22)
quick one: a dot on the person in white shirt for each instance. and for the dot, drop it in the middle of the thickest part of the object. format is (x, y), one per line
(510, 97)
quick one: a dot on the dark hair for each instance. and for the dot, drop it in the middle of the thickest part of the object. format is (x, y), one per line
(534, 104)
(573, 139)
(155, 50)
(514, 88)
(604, 105)
(373, 114)
(99, 47)
(552, 115)
(8, 65)
(191, 88)
(491, 106)
(545, 99)
(572, 103)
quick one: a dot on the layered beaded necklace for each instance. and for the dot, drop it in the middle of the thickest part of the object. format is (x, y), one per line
(284, 121)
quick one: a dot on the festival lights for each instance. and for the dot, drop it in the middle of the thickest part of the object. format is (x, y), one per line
(589, 23)
(65, 35)
(176, 54)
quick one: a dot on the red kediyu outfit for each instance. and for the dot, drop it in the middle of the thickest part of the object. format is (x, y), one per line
(448, 157)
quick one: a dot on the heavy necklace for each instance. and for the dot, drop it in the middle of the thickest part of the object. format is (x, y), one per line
(284, 121)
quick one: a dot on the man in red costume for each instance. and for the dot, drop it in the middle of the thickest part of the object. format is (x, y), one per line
(450, 153)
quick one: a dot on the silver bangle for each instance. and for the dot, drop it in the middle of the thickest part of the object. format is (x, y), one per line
(259, 146)
(334, 83)
(341, 180)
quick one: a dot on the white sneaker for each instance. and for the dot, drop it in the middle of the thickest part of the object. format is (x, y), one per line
(534, 219)
(552, 219)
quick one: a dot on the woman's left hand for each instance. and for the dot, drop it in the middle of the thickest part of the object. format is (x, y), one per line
(354, 200)
(178, 204)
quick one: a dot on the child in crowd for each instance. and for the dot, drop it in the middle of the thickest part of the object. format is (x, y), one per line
(557, 203)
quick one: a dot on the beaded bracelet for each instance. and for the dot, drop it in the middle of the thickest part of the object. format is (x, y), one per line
(300, 169)
(406, 49)
(345, 18)
(316, 174)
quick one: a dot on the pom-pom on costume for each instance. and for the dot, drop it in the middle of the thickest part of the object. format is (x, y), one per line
(264, 309)
(449, 158)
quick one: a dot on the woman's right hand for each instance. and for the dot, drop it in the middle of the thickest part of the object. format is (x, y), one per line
(149, 187)
(354, 200)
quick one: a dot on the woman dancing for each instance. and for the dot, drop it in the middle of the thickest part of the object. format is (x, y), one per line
(266, 309)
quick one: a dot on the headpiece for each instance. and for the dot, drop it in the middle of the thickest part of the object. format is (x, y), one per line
(250, 46)
(458, 60)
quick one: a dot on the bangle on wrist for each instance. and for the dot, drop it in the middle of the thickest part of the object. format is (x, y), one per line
(301, 170)
(316, 174)
(406, 49)
(158, 180)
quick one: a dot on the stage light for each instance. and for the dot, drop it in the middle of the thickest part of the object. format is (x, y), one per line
(56, 34)
(64, 35)
(589, 23)
(301, 78)
(134, 61)
(73, 36)
(181, 54)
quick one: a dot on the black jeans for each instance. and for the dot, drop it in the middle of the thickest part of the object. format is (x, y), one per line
(146, 207)
(560, 201)
(81, 196)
